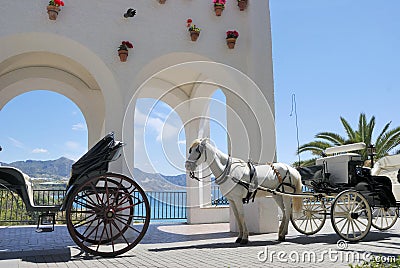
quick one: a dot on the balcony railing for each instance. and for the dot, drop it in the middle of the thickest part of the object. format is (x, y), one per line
(163, 205)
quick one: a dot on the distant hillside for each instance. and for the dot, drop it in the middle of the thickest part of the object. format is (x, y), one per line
(60, 169)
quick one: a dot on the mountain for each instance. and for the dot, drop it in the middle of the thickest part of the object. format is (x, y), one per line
(56, 169)
(60, 169)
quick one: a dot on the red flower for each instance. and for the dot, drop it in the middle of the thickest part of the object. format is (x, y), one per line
(232, 34)
(127, 43)
(58, 3)
(189, 22)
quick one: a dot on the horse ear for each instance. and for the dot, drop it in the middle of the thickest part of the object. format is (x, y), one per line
(204, 140)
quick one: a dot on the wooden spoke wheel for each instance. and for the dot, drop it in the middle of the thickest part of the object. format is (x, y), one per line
(312, 217)
(384, 218)
(108, 215)
(351, 215)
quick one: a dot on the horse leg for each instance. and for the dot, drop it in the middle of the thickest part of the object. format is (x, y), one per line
(279, 201)
(236, 213)
(287, 201)
(240, 219)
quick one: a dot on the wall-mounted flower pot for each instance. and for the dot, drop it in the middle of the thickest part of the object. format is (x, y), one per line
(242, 5)
(162, 1)
(218, 10)
(194, 35)
(231, 42)
(53, 12)
(123, 55)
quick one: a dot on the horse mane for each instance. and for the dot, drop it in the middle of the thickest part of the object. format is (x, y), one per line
(195, 143)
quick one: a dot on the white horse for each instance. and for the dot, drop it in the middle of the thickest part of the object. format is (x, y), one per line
(228, 171)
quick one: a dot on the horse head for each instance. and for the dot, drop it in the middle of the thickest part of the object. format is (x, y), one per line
(197, 154)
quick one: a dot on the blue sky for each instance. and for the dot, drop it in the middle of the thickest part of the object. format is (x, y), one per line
(339, 57)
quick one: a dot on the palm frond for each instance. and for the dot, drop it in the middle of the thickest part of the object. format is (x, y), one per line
(333, 138)
(349, 130)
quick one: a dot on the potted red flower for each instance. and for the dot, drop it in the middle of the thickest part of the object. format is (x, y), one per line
(231, 37)
(123, 50)
(162, 1)
(53, 8)
(219, 5)
(242, 4)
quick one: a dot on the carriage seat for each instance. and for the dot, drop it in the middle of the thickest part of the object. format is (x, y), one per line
(15, 180)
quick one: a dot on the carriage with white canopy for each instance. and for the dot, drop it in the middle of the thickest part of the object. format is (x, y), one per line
(355, 197)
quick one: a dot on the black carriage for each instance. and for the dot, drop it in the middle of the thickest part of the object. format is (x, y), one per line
(340, 187)
(107, 214)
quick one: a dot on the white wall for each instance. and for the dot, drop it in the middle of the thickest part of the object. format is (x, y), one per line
(80, 49)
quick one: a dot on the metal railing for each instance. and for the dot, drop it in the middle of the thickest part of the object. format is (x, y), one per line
(163, 205)
(217, 199)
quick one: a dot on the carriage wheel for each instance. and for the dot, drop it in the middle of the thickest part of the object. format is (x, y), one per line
(108, 215)
(351, 215)
(312, 217)
(384, 218)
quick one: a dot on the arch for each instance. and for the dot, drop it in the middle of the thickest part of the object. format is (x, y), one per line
(70, 60)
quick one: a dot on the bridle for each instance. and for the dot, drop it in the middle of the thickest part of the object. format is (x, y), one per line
(200, 150)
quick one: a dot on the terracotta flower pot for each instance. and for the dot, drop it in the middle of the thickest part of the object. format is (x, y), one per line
(194, 35)
(231, 42)
(162, 1)
(123, 55)
(242, 5)
(53, 12)
(218, 10)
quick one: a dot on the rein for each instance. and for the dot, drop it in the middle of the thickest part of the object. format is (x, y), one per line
(225, 172)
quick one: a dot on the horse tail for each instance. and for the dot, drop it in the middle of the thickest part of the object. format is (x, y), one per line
(297, 201)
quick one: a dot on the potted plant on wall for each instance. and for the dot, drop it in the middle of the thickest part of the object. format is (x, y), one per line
(194, 31)
(53, 8)
(123, 50)
(242, 4)
(231, 37)
(219, 5)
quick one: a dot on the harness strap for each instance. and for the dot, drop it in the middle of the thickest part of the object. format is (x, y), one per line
(223, 177)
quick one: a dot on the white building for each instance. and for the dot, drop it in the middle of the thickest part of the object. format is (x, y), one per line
(76, 55)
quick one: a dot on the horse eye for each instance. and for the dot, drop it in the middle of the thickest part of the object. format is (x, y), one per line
(190, 150)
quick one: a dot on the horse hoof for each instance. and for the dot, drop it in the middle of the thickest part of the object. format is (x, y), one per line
(238, 240)
(244, 241)
(281, 238)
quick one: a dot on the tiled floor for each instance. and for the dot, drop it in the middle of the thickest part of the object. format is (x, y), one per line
(182, 245)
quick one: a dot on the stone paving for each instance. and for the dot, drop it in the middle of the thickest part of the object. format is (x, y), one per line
(206, 245)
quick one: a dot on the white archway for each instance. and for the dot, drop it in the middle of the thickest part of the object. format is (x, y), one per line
(62, 66)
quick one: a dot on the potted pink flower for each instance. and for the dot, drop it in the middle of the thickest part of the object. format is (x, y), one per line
(53, 8)
(219, 5)
(123, 50)
(231, 37)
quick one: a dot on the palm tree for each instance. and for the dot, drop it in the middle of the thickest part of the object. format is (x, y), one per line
(384, 143)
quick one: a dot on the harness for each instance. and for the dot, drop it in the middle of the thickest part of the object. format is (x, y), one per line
(282, 183)
(252, 186)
